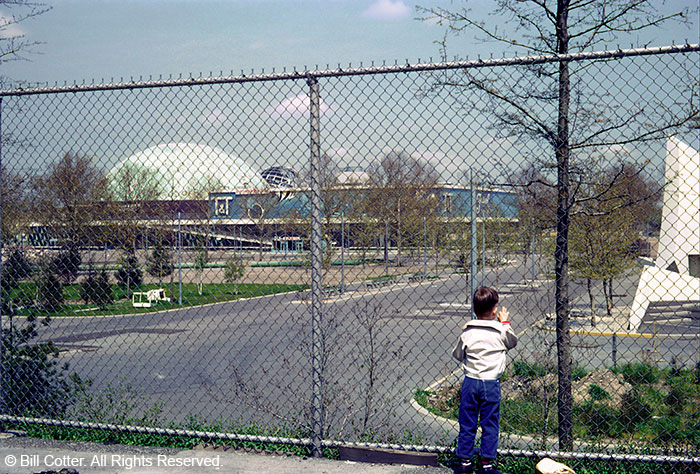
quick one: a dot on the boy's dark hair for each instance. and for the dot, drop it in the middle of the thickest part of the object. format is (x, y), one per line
(485, 299)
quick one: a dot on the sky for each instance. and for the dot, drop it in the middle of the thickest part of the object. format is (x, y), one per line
(264, 123)
(105, 40)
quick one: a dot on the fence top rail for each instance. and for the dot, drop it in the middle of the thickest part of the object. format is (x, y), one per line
(339, 71)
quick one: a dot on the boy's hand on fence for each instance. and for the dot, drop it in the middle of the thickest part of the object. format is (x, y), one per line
(503, 314)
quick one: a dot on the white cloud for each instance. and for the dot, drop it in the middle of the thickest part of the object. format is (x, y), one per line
(8, 27)
(387, 10)
(297, 107)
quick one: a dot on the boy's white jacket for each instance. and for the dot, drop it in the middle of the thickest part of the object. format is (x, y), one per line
(482, 348)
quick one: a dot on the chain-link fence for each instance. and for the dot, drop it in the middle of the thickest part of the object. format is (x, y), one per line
(288, 257)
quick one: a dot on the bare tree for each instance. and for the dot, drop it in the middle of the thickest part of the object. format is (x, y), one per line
(135, 191)
(552, 107)
(401, 193)
(605, 230)
(336, 199)
(70, 197)
(14, 203)
(359, 347)
(13, 43)
(501, 236)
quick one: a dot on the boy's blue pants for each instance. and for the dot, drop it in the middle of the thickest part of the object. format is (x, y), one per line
(479, 399)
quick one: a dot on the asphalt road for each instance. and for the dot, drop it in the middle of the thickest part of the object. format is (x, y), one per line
(248, 361)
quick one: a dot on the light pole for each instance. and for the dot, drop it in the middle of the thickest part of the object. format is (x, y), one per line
(483, 244)
(473, 250)
(425, 252)
(179, 261)
(342, 251)
(386, 247)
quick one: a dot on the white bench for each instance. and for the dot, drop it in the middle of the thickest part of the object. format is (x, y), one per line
(145, 299)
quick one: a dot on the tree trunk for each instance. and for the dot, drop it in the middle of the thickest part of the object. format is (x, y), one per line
(608, 296)
(437, 254)
(386, 244)
(589, 285)
(561, 253)
(260, 247)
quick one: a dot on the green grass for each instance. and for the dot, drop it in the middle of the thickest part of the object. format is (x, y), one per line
(662, 410)
(211, 293)
(445, 410)
(505, 463)
(639, 373)
(68, 433)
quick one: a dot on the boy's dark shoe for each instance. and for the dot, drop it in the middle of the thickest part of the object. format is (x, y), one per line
(463, 466)
(489, 468)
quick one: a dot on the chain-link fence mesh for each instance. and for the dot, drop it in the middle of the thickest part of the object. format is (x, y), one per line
(162, 240)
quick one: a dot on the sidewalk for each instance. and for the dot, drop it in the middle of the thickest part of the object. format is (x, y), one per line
(21, 455)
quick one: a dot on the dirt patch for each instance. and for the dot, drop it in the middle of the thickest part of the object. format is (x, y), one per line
(613, 386)
(602, 386)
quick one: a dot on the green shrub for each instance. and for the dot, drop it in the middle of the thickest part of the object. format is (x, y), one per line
(233, 272)
(597, 393)
(578, 372)
(634, 410)
(116, 404)
(665, 429)
(528, 417)
(50, 292)
(598, 419)
(97, 289)
(159, 263)
(678, 395)
(33, 383)
(640, 373)
(14, 269)
(67, 263)
(129, 273)
(522, 368)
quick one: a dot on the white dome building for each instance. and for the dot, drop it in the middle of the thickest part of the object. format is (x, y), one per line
(176, 171)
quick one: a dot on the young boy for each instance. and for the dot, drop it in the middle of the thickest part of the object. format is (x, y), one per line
(482, 350)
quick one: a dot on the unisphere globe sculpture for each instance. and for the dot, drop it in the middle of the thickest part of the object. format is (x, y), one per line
(280, 177)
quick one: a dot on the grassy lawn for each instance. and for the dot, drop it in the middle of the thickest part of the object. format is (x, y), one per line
(211, 293)
(661, 410)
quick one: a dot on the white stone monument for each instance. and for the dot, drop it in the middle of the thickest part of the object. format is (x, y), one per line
(675, 275)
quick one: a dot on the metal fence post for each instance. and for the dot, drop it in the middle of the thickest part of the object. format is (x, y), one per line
(473, 252)
(425, 251)
(316, 263)
(386, 247)
(532, 251)
(483, 246)
(342, 251)
(179, 261)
